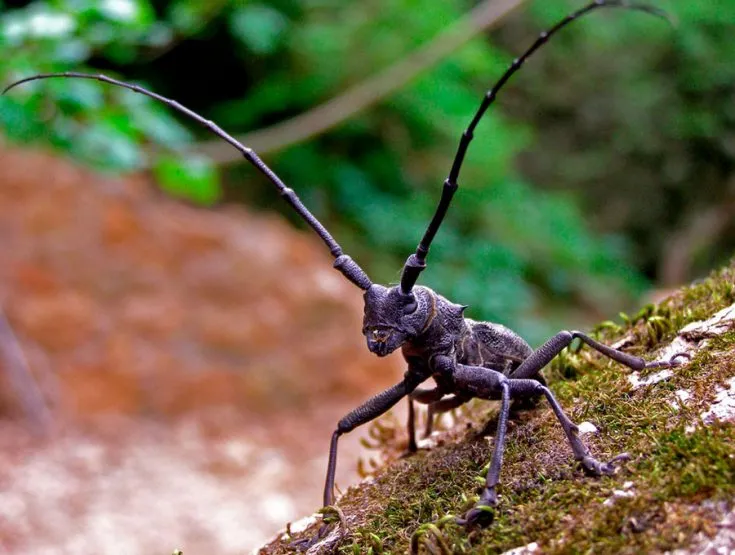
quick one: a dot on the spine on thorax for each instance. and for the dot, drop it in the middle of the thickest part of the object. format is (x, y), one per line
(445, 332)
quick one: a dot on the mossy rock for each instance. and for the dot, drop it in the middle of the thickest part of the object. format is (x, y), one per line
(676, 486)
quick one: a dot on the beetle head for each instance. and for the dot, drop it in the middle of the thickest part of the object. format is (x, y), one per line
(392, 318)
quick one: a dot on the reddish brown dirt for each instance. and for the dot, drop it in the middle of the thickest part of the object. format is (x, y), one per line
(195, 362)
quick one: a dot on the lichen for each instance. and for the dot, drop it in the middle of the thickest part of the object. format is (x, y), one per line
(679, 472)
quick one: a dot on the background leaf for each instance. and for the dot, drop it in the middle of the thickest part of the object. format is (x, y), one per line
(194, 179)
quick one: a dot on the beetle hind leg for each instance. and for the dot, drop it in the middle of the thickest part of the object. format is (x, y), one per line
(591, 465)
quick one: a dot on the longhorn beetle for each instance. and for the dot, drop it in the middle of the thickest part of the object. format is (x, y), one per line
(466, 359)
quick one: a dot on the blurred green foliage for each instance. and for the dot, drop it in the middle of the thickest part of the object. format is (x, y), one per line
(633, 120)
(645, 125)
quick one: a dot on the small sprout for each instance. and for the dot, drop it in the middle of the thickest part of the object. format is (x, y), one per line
(332, 514)
(607, 325)
(484, 470)
(376, 544)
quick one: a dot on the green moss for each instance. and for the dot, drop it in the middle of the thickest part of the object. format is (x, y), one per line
(544, 497)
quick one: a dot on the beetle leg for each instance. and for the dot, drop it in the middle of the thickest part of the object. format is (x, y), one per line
(544, 354)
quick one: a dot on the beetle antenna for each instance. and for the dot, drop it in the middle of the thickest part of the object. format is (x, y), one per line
(344, 263)
(416, 262)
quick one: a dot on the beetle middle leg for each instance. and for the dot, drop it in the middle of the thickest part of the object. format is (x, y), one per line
(437, 404)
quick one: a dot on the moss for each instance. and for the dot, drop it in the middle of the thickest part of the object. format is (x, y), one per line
(544, 497)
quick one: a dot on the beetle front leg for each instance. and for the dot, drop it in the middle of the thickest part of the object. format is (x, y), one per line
(482, 513)
(366, 412)
(475, 381)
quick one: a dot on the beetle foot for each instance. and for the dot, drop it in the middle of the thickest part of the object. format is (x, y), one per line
(423, 444)
(479, 516)
(672, 362)
(411, 449)
(304, 544)
(326, 533)
(410, 453)
(483, 513)
(593, 467)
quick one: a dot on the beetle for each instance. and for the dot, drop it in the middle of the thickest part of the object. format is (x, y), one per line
(465, 358)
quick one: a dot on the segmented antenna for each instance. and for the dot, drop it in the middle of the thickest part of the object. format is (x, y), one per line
(344, 263)
(416, 262)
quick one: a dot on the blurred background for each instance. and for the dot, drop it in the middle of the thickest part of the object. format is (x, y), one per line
(175, 344)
